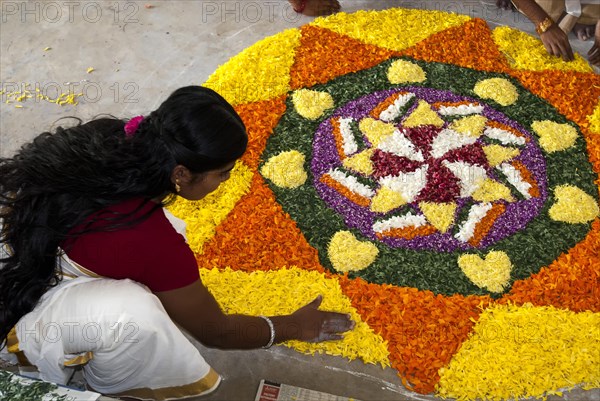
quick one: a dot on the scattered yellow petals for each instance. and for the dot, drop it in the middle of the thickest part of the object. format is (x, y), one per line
(517, 352)
(491, 273)
(386, 200)
(347, 253)
(47, 48)
(361, 162)
(402, 71)
(423, 115)
(283, 292)
(573, 205)
(259, 72)
(286, 170)
(498, 154)
(203, 216)
(472, 126)
(499, 90)
(375, 130)
(90, 69)
(24, 93)
(491, 191)
(554, 136)
(526, 52)
(311, 104)
(440, 215)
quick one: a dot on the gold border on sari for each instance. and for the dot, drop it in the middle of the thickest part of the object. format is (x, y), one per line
(201, 387)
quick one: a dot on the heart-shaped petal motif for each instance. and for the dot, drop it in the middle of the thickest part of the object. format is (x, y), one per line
(491, 273)
(402, 71)
(573, 205)
(311, 104)
(499, 90)
(286, 170)
(554, 136)
(347, 253)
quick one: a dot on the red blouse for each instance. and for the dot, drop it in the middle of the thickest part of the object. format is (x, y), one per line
(152, 252)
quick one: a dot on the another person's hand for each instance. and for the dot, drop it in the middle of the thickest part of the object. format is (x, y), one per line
(314, 325)
(556, 42)
(315, 8)
(594, 53)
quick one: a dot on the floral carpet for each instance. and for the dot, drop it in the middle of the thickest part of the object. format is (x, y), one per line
(435, 179)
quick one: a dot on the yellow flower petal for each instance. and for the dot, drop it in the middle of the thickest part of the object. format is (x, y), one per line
(498, 154)
(286, 170)
(361, 162)
(492, 273)
(518, 352)
(311, 104)
(554, 136)
(573, 205)
(386, 200)
(387, 32)
(260, 72)
(526, 52)
(283, 292)
(491, 191)
(423, 115)
(347, 253)
(375, 130)
(471, 125)
(402, 71)
(499, 90)
(440, 215)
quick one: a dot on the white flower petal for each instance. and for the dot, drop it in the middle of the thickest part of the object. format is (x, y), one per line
(448, 140)
(400, 145)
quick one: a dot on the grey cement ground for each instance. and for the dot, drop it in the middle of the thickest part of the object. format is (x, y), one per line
(142, 54)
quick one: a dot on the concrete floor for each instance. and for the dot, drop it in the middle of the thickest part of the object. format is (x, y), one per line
(140, 55)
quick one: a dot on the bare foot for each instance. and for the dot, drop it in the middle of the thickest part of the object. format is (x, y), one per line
(505, 4)
(584, 32)
(316, 7)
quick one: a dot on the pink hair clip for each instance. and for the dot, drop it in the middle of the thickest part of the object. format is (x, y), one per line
(132, 125)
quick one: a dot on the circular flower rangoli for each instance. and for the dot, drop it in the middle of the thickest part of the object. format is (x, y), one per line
(449, 202)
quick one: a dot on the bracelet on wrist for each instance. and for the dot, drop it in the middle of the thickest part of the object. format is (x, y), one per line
(544, 25)
(271, 329)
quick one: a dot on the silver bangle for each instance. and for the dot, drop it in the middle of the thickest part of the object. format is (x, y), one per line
(272, 329)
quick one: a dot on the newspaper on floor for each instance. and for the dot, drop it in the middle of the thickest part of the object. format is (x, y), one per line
(270, 391)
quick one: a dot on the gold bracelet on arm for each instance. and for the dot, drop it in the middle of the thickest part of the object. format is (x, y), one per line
(544, 25)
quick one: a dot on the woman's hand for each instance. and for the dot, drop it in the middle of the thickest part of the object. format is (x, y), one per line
(195, 309)
(557, 43)
(313, 325)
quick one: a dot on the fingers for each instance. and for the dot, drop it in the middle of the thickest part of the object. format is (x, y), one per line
(337, 323)
(315, 303)
(594, 55)
(557, 43)
(566, 52)
(333, 326)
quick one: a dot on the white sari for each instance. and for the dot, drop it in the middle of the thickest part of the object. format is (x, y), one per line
(118, 331)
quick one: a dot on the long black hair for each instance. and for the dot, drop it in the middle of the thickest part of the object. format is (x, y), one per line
(54, 183)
